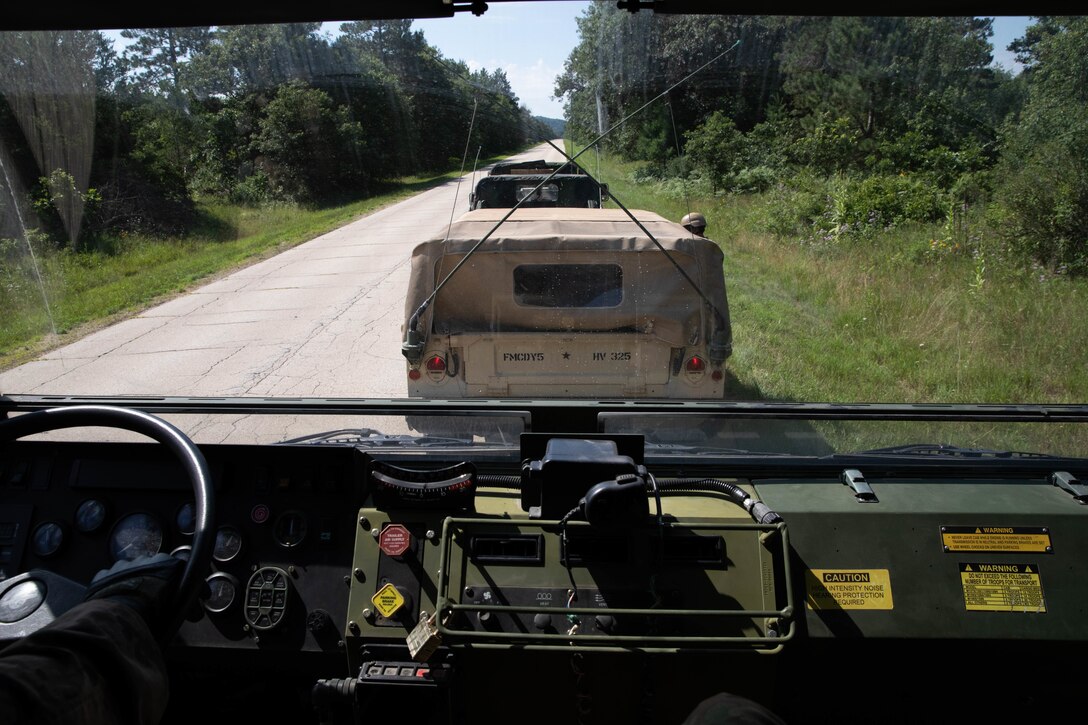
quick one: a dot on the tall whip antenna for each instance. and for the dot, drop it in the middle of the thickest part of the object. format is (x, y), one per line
(464, 158)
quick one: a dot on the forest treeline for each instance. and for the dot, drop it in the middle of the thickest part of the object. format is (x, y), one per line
(102, 139)
(850, 126)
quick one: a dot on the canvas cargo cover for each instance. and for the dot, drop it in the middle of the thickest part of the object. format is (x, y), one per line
(656, 299)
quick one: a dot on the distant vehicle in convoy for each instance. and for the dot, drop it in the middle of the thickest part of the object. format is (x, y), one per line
(510, 183)
(567, 303)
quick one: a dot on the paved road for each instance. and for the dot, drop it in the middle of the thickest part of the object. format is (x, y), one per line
(322, 319)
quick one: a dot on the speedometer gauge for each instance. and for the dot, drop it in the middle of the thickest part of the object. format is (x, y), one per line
(135, 535)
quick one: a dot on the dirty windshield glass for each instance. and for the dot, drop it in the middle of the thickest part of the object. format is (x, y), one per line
(798, 209)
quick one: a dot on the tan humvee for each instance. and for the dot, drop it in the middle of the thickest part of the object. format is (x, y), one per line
(568, 303)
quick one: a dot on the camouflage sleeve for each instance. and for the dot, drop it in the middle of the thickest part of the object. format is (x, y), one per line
(98, 664)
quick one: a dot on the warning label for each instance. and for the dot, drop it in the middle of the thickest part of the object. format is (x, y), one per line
(1005, 539)
(387, 600)
(1002, 587)
(848, 589)
(394, 540)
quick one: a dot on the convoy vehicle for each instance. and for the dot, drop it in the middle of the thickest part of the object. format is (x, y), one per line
(507, 184)
(567, 303)
(605, 558)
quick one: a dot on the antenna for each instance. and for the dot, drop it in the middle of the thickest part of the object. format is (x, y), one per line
(680, 155)
(475, 163)
(464, 157)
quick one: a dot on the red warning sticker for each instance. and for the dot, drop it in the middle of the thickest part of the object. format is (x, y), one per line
(394, 540)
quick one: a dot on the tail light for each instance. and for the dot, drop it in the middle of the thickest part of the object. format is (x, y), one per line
(436, 364)
(694, 369)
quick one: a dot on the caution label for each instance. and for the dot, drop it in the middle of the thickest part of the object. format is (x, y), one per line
(387, 600)
(1004, 539)
(848, 589)
(989, 587)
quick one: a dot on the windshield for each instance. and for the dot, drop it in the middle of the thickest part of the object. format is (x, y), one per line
(781, 209)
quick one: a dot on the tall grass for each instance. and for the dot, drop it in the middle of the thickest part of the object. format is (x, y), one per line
(898, 316)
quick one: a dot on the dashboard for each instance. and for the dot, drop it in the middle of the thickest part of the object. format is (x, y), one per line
(349, 584)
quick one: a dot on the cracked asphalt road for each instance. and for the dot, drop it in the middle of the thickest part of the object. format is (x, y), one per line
(322, 319)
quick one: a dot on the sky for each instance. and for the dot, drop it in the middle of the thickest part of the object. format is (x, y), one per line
(528, 40)
(531, 40)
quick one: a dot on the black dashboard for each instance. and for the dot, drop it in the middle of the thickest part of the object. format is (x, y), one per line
(861, 590)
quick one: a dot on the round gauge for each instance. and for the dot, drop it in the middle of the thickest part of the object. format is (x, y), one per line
(47, 539)
(134, 536)
(186, 519)
(290, 529)
(220, 592)
(182, 552)
(90, 516)
(228, 542)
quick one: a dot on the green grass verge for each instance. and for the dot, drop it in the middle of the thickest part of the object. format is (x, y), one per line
(875, 321)
(88, 289)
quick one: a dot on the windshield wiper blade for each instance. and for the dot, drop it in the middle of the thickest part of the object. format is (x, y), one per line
(370, 438)
(945, 450)
(705, 450)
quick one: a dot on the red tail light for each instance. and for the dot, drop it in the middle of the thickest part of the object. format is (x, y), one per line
(414, 374)
(436, 364)
(696, 364)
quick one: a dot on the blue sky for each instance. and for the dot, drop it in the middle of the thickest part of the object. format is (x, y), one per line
(531, 40)
(528, 40)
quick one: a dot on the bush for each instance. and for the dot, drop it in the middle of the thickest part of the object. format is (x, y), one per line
(1047, 222)
(861, 207)
(753, 179)
(791, 208)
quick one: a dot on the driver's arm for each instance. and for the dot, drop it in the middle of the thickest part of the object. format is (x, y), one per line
(100, 662)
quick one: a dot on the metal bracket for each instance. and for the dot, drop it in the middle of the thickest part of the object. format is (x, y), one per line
(855, 479)
(1068, 482)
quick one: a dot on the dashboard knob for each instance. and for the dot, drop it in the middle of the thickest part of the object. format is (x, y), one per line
(318, 622)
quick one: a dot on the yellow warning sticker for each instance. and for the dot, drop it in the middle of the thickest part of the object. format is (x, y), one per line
(848, 589)
(387, 600)
(989, 587)
(1005, 539)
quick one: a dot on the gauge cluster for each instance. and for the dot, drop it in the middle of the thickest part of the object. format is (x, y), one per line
(282, 544)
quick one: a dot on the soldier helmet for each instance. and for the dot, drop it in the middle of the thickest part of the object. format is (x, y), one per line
(693, 222)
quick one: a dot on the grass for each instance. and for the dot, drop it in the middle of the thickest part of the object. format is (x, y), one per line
(86, 290)
(876, 321)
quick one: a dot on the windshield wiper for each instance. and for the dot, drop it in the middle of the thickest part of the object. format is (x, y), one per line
(945, 450)
(370, 438)
(705, 450)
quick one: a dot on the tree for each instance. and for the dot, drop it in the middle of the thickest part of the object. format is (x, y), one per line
(309, 149)
(1044, 169)
(158, 59)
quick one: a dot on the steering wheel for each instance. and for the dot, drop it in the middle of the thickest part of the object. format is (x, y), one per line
(196, 470)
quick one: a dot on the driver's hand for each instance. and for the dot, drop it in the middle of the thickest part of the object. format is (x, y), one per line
(147, 584)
